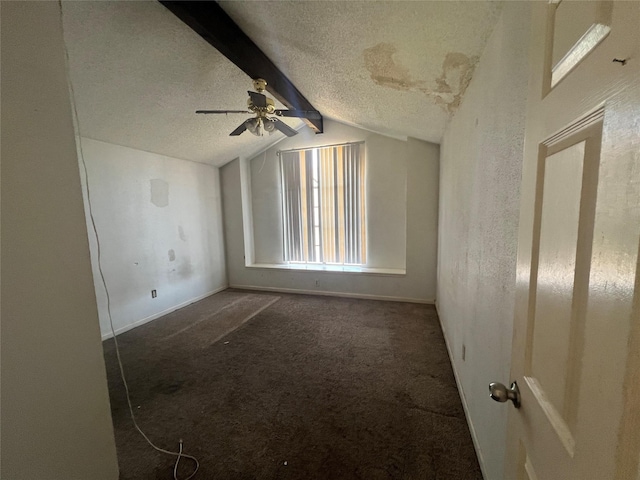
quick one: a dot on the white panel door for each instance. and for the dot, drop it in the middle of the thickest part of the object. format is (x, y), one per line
(576, 347)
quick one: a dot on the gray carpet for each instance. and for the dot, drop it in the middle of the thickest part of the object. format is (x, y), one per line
(336, 388)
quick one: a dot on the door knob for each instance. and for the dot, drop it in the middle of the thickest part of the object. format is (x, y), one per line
(501, 393)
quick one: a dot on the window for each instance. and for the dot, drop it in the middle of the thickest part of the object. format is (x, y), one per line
(323, 205)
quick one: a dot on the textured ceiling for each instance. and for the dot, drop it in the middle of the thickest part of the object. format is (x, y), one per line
(398, 68)
(139, 74)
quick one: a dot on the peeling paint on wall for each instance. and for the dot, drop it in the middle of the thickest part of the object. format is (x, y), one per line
(172, 255)
(159, 192)
(457, 71)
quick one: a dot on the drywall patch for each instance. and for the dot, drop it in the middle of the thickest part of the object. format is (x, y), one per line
(159, 192)
(185, 268)
(457, 71)
(181, 233)
(172, 255)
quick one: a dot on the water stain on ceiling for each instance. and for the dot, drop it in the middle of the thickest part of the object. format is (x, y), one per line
(446, 90)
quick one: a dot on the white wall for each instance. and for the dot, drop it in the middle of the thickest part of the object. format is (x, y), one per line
(479, 203)
(159, 222)
(386, 162)
(56, 422)
(402, 206)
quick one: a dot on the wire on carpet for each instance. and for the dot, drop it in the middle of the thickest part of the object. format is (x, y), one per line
(178, 454)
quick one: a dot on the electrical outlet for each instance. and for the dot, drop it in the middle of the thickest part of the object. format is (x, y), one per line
(464, 352)
(154, 294)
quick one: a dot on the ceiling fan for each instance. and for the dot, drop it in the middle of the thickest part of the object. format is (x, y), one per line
(262, 106)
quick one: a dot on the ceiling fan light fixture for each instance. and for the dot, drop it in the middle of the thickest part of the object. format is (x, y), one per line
(269, 125)
(254, 125)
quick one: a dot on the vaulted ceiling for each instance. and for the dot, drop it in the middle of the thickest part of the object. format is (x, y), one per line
(397, 68)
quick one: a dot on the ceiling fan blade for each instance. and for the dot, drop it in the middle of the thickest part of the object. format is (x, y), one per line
(284, 128)
(224, 111)
(258, 99)
(238, 130)
(311, 114)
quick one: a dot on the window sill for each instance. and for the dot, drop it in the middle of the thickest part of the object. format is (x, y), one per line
(330, 268)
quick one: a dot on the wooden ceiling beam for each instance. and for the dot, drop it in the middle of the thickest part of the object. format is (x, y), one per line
(212, 23)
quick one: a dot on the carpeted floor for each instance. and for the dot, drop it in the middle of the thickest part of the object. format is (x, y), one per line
(308, 388)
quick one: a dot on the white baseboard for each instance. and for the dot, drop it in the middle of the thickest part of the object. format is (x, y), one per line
(474, 436)
(142, 321)
(335, 294)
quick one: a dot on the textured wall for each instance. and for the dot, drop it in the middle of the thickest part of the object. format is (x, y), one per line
(159, 221)
(479, 202)
(56, 422)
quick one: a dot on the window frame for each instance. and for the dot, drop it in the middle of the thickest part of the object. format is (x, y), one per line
(347, 169)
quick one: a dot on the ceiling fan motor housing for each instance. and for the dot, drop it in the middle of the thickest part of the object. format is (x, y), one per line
(259, 84)
(268, 109)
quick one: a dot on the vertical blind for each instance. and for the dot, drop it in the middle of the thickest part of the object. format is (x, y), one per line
(323, 205)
